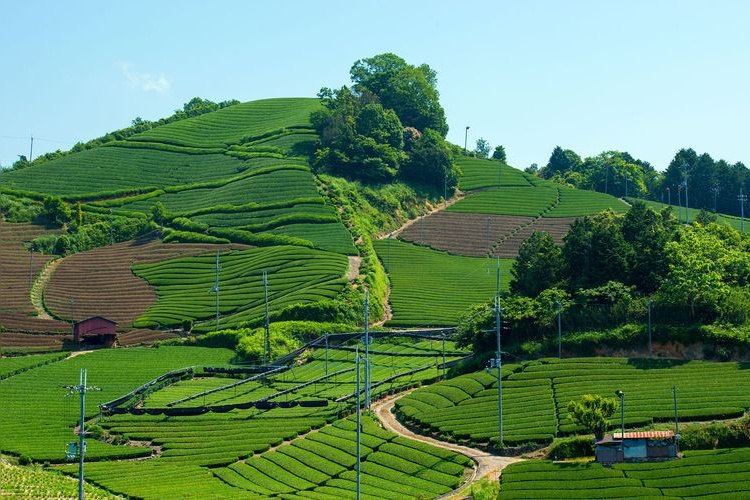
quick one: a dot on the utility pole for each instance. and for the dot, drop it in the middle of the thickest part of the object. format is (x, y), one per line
(326, 335)
(31, 149)
(499, 363)
(669, 197)
(267, 337)
(111, 231)
(497, 278)
(215, 290)
(81, 389)
(466, 138)
(742, 199)
(367, 349)
(359, 429)
(443, 335)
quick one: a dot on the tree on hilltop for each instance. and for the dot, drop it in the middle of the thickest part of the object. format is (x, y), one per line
(409, 90)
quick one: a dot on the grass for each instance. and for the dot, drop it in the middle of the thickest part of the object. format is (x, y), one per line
(431, 287)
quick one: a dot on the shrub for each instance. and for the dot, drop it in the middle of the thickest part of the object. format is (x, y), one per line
(572, 447)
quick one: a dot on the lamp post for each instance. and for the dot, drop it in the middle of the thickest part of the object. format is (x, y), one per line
(466, 138)
(621, 395)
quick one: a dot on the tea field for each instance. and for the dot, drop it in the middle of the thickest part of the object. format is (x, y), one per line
(703, 474)
(430, 287)
(536, 395)
(35, 482)
(251, 437)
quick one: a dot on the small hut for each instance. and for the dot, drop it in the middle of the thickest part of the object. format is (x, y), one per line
(95, 330)
(639, 446)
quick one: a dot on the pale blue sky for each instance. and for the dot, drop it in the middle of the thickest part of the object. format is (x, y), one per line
(646, 77)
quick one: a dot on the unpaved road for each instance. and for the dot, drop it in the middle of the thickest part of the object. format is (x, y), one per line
(488, 466)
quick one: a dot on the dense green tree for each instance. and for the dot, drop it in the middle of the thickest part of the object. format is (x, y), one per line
(499, 154)
(560, 162)
(409, 90)
(359, 138)
(431, 162)
(595, 252)
(56, 210)
(483, 148)
(647, 233)
(592, 413)
(539, 265)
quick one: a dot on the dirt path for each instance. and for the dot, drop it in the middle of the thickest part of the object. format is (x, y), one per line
(37, 289)
(488, 466)
(353, 271)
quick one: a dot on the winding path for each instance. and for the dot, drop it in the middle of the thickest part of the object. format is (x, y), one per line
(488, 466)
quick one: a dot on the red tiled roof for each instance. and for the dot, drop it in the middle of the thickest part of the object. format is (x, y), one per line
(644, 435)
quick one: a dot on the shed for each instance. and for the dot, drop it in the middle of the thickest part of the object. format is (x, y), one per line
(95, 330)
(636, 446)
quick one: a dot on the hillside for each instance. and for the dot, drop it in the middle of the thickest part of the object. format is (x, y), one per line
(235, 176)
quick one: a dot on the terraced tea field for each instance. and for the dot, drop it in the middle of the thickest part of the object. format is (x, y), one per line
(704, 474)
(235, 124)
(123, 168)
(18, 269)
(35, 482)
(271, 436)
(430, 287)
(517, 201)
(480, 235)
(536, 395)
(40, 420)
(682, 213)
(101, 283)
(295, 275)
(477, 173)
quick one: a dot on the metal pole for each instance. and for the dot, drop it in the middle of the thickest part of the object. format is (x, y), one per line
(326, 334)
(359, 411)
(31, 149)
(111, 230)
(487, 233)
(622, 419)
(466, 138)
(676, 424)
(497, 279)
(81, 431)
(267, 339)
(499, 364)
(367, 349)
(559, 329)
(216, 289)
(443, 334)
(650, 350)
(445, 189)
